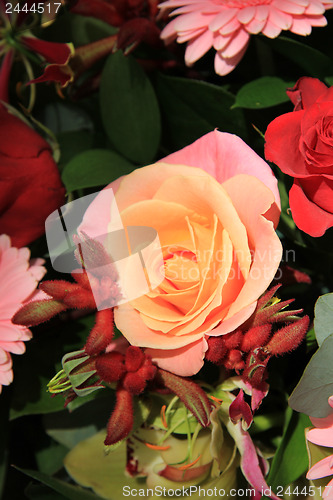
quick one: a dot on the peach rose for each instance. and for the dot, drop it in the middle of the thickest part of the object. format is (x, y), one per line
(215, 206)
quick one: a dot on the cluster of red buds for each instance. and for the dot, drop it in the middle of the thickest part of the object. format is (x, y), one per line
(104, 361)
(248, 349)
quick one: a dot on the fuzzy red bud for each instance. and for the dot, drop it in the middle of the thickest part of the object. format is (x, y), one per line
(288, 338)
(110, 366)
(256, 337)
(101, 334)
(134, 358)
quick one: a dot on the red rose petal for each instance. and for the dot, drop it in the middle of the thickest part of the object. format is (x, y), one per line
(305, 92)
(282, 138)
(310, 218)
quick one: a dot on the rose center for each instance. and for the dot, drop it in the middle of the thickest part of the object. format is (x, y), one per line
(182, 269)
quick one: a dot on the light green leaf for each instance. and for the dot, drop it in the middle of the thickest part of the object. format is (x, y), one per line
(323, 322)
(292, 450)
(129, 109)
(262, 93)
(95, 167)
(316, 385)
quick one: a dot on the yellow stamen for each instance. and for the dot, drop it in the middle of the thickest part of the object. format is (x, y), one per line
(184, 467)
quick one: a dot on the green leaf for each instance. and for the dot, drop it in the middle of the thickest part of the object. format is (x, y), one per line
(4, 436)
(69, 491)
(50, 459)
(41, 492)
(314, 62)
(316, 385)
(262, 93)
(73, 143)
(329, 80)
(69, 428)
(129, 109)
(323, 322)
(193, 108)
(292, 450)
(95, 167)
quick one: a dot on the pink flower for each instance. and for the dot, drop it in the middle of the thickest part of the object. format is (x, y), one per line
(227, 25)
(18, 282)
(322, 435)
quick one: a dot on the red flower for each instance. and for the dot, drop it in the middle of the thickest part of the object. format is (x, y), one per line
(16, 40)
(30, 185)
(300, 143)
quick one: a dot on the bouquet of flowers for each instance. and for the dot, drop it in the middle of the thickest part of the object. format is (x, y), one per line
(166, 232)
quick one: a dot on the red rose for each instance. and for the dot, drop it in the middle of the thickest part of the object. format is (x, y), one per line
(301, 144)
(30, 184)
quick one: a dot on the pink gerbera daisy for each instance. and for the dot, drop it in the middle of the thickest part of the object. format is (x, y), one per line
(227, 25)
(18, 282)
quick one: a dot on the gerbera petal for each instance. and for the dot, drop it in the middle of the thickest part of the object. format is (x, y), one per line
(225, 19)
(198, 47)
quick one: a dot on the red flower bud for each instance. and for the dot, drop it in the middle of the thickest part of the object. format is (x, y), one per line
(233, 339)
(256, 337)
(288, 338)
(234, 360)
(101, 334)
(35, 313)
(133, 383)
(134, 358)
(110, 366)
(216, 350)
(121, 421)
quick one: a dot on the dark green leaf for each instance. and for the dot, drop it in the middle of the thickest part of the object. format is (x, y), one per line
(50, 459)
(323, 322)
(86, 30)
(4, 435)
(262, 93)
(292, 450)
(129, 109)
(96, 167)
(316, 385)
(41, 492)
(315, 63)
(69, 491)
(41, 362)
(69, 428)
(73, 143)
(193, 108)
